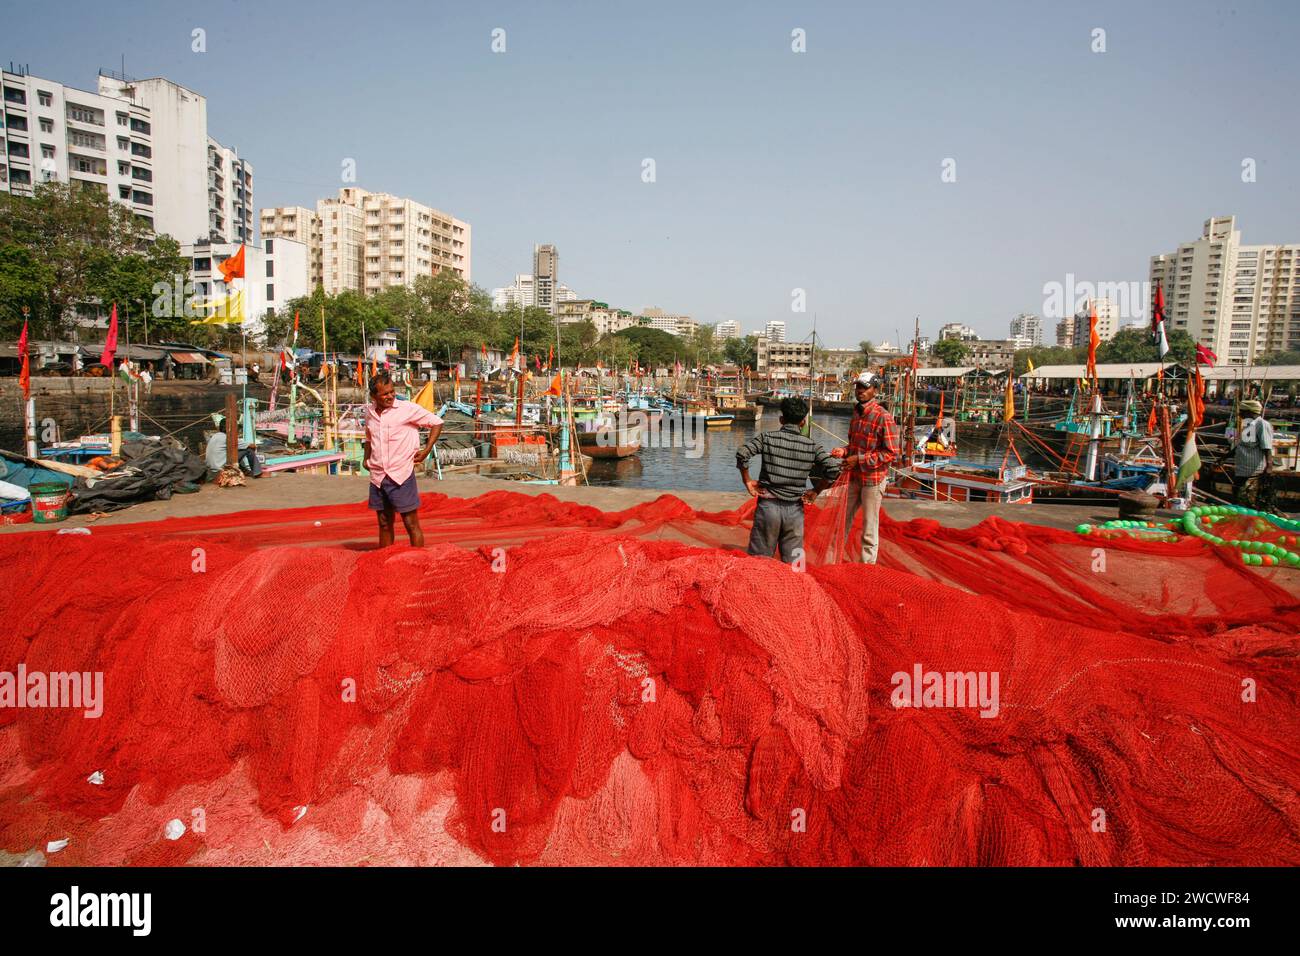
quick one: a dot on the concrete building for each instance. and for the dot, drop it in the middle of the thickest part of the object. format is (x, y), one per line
(1065, 332)
(655, 318)
(143, 143)
(1027, 327)
(992, 353)
(774, 331)
(546, 276)
(285, 273)
(607, 320)
(367, 241)
(518, 293)
(729, 329)
(840, 362)
(1241, 301)
(1108, 322)
(783, 360)
(955, 330)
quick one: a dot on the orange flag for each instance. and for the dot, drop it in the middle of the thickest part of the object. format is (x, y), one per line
(25, 375)
(1093, 341)
(361, 376)
(514, 355)
(556, 388)
(233, 267)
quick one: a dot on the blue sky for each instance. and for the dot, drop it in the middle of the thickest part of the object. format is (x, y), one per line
(775, 170)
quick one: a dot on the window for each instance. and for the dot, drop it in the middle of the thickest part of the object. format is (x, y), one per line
(123, 192)
(270, 292)
(47, 125)
(16, 122)
(122, 119)
(142, 174)
(44, 98)
(202, 265)
(47, 151)
(18, 149)
(82, 114)
(123, 143)
(270, 269)
(270, 248)
(15, 96)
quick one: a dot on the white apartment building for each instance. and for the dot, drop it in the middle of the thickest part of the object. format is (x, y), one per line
(606, 320)
(729, 329)
(285, 275)
(1028, 328)
(367, 241)
(655, 318)
(518, 293)
(1240, 301)
(774, 331)
(1065, 332)
(143, 143)
(1108, 322)
(546, 276)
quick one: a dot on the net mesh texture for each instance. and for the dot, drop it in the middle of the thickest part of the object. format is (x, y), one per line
(548, 683)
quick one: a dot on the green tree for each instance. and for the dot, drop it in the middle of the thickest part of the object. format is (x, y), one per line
(1279, 358)
(866, 347)
(1048, 355)
(652, 347)
(741, 351)
(950, 351)
(1137, 345)
(67, 247)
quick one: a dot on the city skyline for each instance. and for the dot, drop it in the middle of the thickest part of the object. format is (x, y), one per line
(774, 170)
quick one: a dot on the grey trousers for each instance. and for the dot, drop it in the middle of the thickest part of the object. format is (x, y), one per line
(867, 498)
(777, 524)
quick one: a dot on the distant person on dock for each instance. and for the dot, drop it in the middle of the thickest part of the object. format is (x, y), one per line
(215, 454)
(873, 445)
(391, 452)
(1252, 481)
(790, 459)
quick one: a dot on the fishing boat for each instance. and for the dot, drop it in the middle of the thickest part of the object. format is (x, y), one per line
(729, 400)
(940, 479)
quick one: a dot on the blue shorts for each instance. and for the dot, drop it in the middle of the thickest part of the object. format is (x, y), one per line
(401, 498)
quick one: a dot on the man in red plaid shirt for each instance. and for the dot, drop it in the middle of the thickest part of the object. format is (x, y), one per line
(873, 445)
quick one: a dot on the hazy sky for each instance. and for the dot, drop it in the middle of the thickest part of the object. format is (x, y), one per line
(775, 170)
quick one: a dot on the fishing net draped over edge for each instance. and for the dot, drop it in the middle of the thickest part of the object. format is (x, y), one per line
(550, 683)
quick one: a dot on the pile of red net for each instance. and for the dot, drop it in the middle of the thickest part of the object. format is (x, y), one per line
(549, 683)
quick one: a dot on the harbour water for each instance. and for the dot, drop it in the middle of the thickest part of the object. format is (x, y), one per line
(671, 467)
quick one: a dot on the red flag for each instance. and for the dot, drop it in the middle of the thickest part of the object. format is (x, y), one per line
(295, 325)
(485, 351)
(1151, 420)
(550, 355)
(1158, 312)
(25, 374)
(1204, 356)
(233, 267)
(537, 359)
(110, 343)
(1093, 341)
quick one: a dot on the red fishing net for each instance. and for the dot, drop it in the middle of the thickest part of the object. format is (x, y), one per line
(548, 683)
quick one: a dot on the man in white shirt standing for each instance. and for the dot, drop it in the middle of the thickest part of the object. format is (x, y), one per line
(392, 450)
(1251, 483)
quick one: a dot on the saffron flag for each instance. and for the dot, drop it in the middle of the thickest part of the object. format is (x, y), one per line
(361, 375)
(1204, 356)
(25, 373)
(1008, 402)
(556, 387)
(1195, 400)
(1093, 340)
(514, 356)
(1158, 322)
(550, 355)
(1151, 420)
(233, 267)
(424, 397)
(484, 351)
(110, 343)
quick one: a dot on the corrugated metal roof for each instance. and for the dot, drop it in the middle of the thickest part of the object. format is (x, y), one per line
(1112, 370)
(189, 357)
(1253, 373)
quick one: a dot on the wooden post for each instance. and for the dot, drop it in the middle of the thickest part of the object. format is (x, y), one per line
(1167, 441)
(115, 432)
(232, 432)
(519, 406)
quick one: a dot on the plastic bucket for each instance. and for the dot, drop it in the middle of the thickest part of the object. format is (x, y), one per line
(49, 502)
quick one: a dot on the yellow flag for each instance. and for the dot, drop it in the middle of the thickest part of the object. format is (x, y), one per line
(424, 397)
(1009, 405)
(225, 311)
(1031, 363)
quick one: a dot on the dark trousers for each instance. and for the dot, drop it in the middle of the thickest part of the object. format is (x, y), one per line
(777, 524)
(251, 463)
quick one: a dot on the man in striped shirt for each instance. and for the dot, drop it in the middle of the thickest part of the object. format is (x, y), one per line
(790, 458)
(873, 445)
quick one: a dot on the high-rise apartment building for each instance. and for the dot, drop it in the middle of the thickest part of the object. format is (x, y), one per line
(143, 143)
(729, 329)
(1107, 322)
(955, 330)
(367, 241)
(1240, 301)
(1028, 328)
(546, 276)
(774, 331)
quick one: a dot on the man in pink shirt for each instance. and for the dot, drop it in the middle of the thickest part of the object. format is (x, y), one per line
(392, 450)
